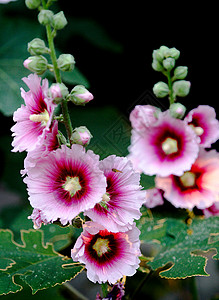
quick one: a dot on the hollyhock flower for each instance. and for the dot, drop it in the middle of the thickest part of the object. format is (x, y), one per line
(170, 146)
(197, 187)
(213, 210)
(123, 199)
(154, 197)
(6, 1)
(38, 218)
(116, 293)
(34, 118)
(49, 143)
(107, 256)
(65, 182)
(203, 121)
(143, 116)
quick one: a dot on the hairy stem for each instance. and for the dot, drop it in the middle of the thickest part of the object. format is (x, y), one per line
(171, 96)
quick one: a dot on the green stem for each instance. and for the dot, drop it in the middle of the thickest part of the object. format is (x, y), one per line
(64, 105)
(171, 97)
(104, 287)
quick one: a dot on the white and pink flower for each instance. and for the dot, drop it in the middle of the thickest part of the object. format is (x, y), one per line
(197, 187)
(212, 210)
(38, 218)
(203, 121)
(65, 182)
(167, 147)
(154, 197)
(123, 199)
(107, 256)
(35, 117)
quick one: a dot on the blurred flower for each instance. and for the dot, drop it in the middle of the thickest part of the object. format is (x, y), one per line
(116, 293)
(212, 210)
(197, 187)
(107, 256)
(203, 121)
(123, 199)
(65, 182)
(34, 118)
(168, 146)
(154, 197)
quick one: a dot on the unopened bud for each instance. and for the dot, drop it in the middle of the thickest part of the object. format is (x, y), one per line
(177, 110)
(45, 17)
(80, 95)
(59, 21)
(169, 63)
(32, 4)
(172, 52)
(81, 135)
(37, 64)
(161, 89)
(66, 62)
(58, 91)
(37, 47)
(157, 65)
(181, 88)
(180, 73)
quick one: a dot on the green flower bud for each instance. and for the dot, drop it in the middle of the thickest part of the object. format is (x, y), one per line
(157, 66)
(59, 21)
(163, 50)
(157, 55)
(37, 47)
(58, 91)
(37, 64)
(45, 17)
(66, 62)
(172, 52)
(81, 135)
(32, 4)
(169, 63)
(180, 73)
(161, 89)
(80, 95)
(177, 110)
(181, 88)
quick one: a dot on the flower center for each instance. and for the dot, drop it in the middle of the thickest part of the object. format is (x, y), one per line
(169, 146)
(105, 200)
(188, 179)
(101, 246)
(198, 130)
(72, 185)
(42, 117)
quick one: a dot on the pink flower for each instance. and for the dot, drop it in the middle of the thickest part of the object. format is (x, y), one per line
(213, 210)
(170, 146)
(143, 116)
(48, 143)
(123, 199)
(154, 197)
(34, 118)
(65, 182)
(107, 256)
(203, 121)
(38, 218)
(197, 187)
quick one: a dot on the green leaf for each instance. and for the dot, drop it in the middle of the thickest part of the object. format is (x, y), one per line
(38, 265)
(75, 77)
(183, 246)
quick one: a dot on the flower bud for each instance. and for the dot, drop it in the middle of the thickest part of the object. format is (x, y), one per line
(80, 95)
(58, 91)
(169, 63)
(37, 47)
(32, 4)
(37, 64)
(180, 73)
(45, 17)
(172, 52)
(181, 88)
(177, 110)
(59, 21)
(161, 89)
(81, 135)
(157, 65)
(66, 62)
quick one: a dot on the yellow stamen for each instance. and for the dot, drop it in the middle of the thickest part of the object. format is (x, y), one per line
(188, 179)
(101, 246)
(42, 117)
(169, 146)
(72, 185)
(198, 130)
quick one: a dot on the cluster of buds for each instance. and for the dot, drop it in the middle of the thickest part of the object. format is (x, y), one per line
(164, 60)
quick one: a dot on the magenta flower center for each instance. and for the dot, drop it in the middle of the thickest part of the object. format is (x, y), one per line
(188, 179)
(43, 117)
(72, 185)
(169, 146)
